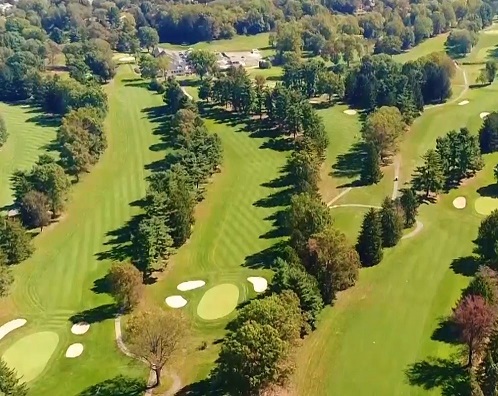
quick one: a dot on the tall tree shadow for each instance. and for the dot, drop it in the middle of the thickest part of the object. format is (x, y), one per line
(117, 386)
(467, 265)
(450, 376)
(97, 314)
(446, 331)
(491, 190)
(349, 165)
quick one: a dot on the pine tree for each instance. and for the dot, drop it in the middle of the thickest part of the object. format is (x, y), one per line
(371, 173)
(409, 204)
(392, 223)
(429, 177)
(369, 246)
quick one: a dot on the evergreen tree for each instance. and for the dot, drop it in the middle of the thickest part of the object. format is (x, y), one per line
(370, 171)
(392, 223)
(10, 384)
(488, 134)
(369, 245)
(409, 204)
(429, 177)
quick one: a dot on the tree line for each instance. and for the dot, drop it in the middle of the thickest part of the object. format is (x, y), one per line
(474, 319)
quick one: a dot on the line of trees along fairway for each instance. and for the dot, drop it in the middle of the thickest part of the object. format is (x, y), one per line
(311, 267)
(474, 320)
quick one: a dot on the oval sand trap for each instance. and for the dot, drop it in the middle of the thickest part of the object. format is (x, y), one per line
(127, 59)
(11, 326)
(74, 350)
(218, 301)
(175, 301)
(350, 112)
(260, 284)
(483, 115)
(485, 205)
(29, 355)
(190, 285)
(80, 328)
(463, 103)
(460, 202)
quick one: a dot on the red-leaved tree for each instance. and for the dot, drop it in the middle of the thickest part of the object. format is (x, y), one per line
(475, 319)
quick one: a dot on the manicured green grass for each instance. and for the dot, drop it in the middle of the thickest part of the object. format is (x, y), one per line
(233, 228)
(485, 205)
(380, 328)
(238, 43)
(433, 44)
(29, 355)
(486, 47)
(218, 301)
(56, 283)
(26, 141)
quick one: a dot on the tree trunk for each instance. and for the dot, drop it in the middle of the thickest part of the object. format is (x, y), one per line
(157, 370)
(469, 363)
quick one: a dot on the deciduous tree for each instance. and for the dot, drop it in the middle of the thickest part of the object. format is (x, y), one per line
(14, 241)
(125, 285)
(487, 240)
(488, 134)
(203, 62)
(475, 319)
(369, 245)
(253, 357)
(34, 210)
(384, 128)
(333, 261)
(148, 37)
(154, 335)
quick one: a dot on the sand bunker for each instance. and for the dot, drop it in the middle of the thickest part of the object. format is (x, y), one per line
(80, 328)
(175, 301)
(463, 103)
(260, 284)
(11, 326)
(190, 285)
(350, 112)
(74, 350)
(483, 115)
(127, 59)
(460, 202)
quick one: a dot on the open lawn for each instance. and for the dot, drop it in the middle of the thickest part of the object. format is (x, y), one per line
(433, 44)
(27, 140)
(56, 283)
(238, 43)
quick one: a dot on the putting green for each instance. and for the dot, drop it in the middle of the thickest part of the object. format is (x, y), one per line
(30, 354)
(485, 205)
(218, 301)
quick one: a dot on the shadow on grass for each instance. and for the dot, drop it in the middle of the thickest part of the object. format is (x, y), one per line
(446, 331)
(466, 266)
(206, 387)
(117, 386)
(97, 314)
(350, 163)
(450, 376)
(490, 190)
(46, 120)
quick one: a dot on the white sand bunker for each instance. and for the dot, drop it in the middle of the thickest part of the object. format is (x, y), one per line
(127, 59)
(483, 115)
(175, 301)
(11, 326)
(460, 202)
(74, 350)
(80, 328)
(350, 112)
(463, 103)
(260, 284)
(190, 285)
